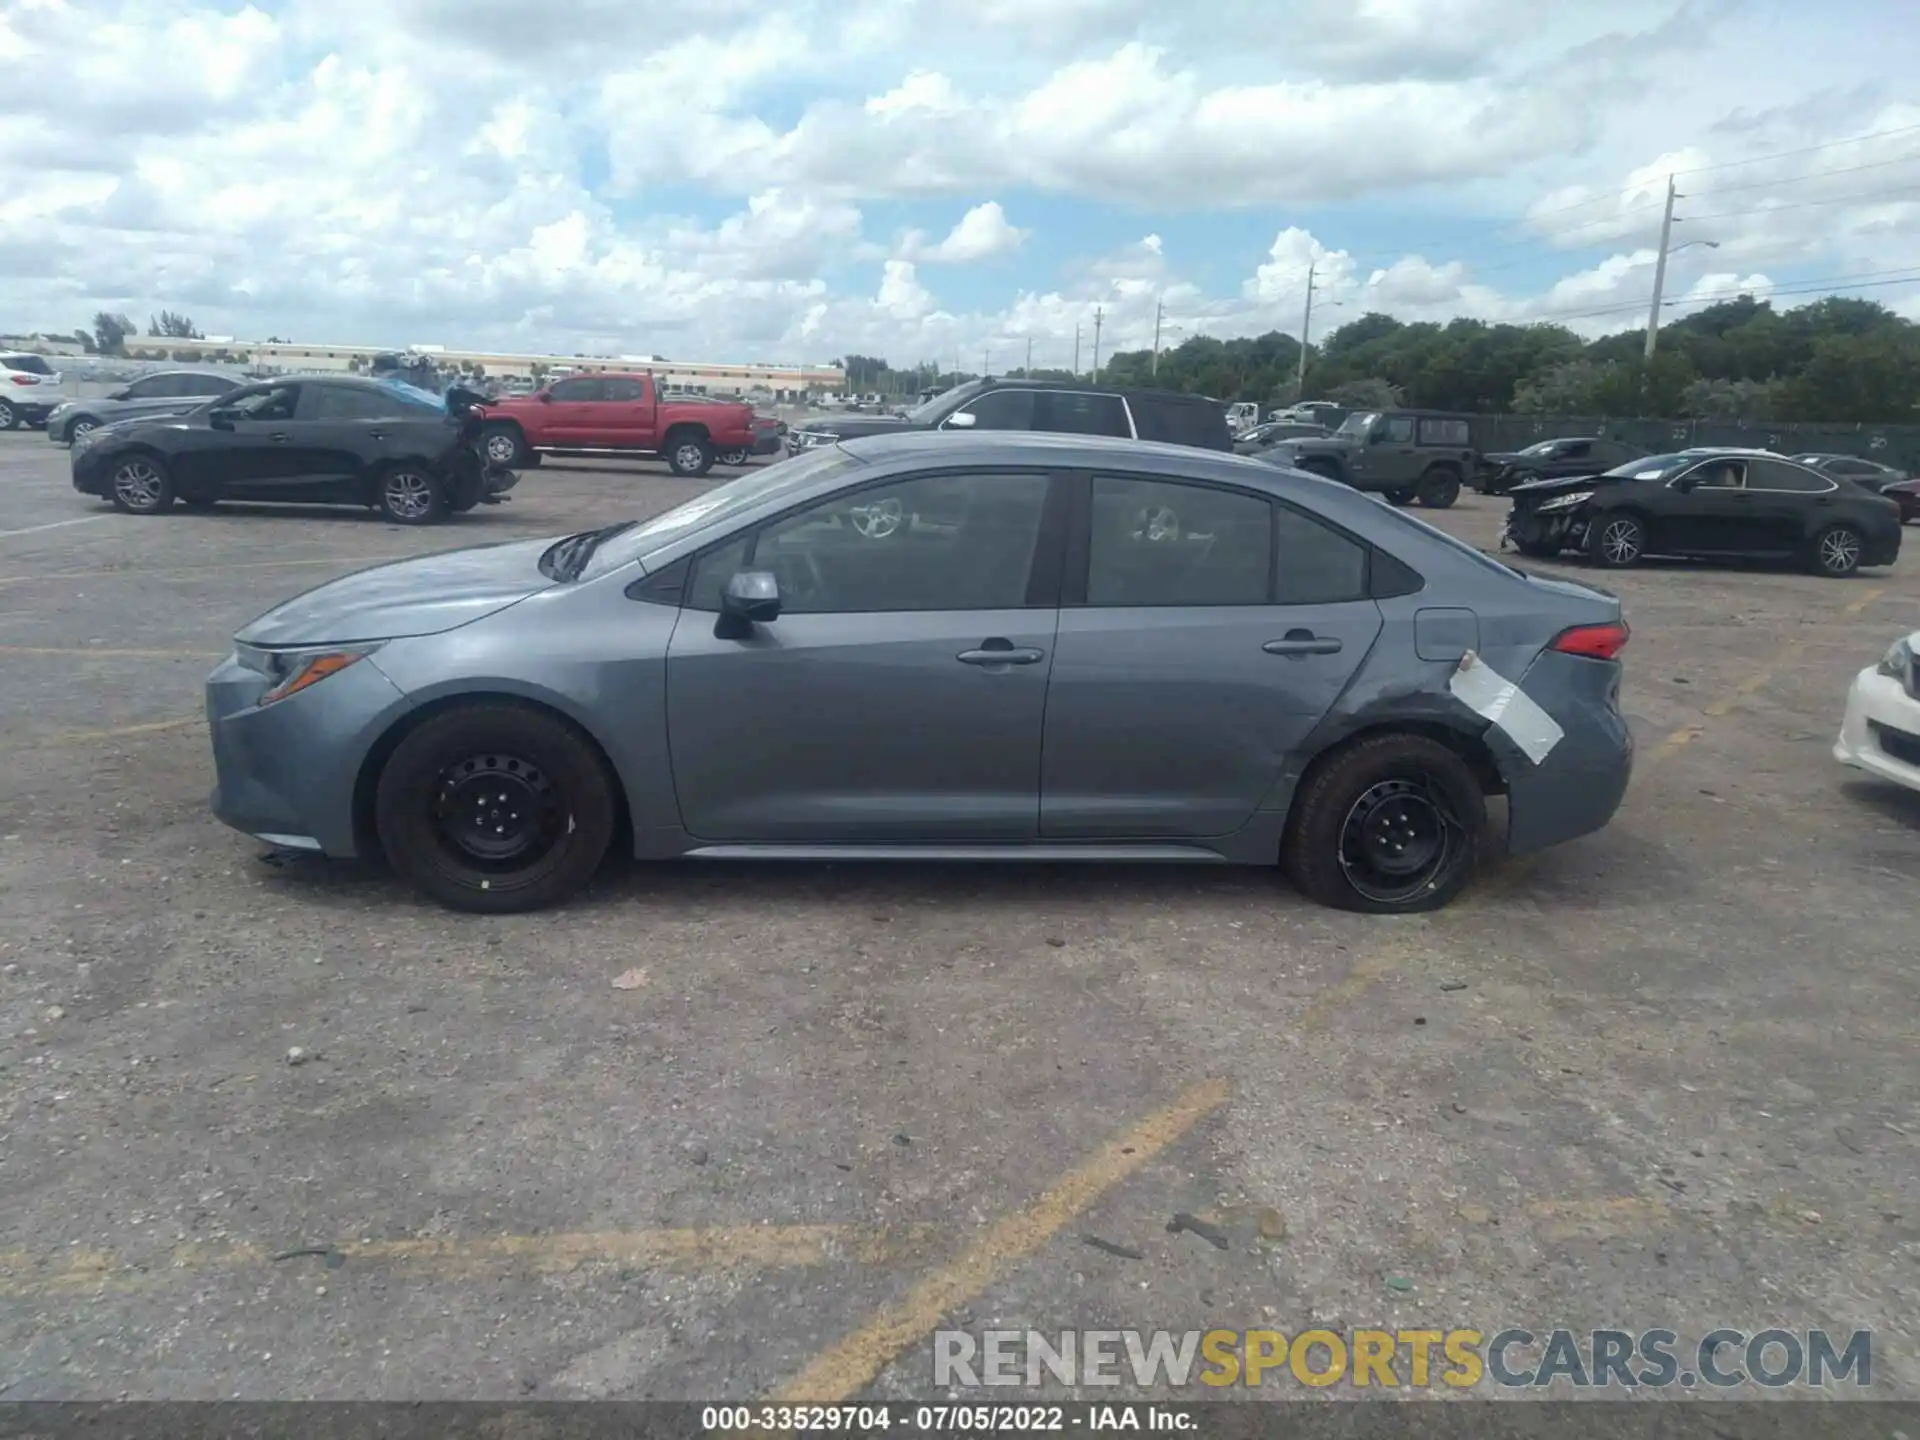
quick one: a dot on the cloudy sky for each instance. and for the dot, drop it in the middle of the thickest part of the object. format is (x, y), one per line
(745, 179)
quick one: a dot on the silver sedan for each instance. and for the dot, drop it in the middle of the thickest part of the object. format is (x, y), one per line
(938, 646)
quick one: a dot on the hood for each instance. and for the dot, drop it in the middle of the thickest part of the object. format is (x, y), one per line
(1505, 457)
(1556, 484)
(422, 596)
(1312, 445)
(851, 427)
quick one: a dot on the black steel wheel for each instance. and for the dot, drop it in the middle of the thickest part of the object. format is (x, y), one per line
(1440, 487)
(495, 807)
(1390, 825)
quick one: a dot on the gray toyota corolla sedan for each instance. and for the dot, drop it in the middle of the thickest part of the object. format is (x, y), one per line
(999, 646)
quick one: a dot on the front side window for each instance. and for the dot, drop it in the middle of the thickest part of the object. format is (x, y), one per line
(276, 402)
(155, 387)
(1161, 542)
(1071, 412)
(935, 542)
(1357, 425)
(1398, 430)
(583, 388)
(1720, 475)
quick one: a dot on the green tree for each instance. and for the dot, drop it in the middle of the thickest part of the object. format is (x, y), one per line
(173, 326)
(1372, 393)
(110, 332)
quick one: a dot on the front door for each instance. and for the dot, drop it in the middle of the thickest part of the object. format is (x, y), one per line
(574, 415)
(251, 453)
(899, 697)
(1713, 515)
(1389, 460)
(1217, 629)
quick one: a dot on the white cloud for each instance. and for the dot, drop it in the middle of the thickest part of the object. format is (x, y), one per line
(983, 232)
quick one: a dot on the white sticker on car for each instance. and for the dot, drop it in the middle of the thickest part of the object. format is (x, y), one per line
(1486, 692)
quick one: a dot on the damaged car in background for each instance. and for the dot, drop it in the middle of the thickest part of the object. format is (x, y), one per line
(1706, 504)
(410, 455)
(994, 647)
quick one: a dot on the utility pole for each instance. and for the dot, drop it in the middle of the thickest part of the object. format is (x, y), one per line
(1098, 316)
(1076, 348)
(986, 363)
(1029, 357)
(1306, 327)
(1159, 314)
(1660, 271)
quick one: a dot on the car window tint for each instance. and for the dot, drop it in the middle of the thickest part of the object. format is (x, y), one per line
(1849, 467)
(1576, 450)
(274, 403)
(154, 387)
(574, 390)
(1071, 412)
(622, 389)
(1002, 410)
(1159, 542)
(1316, 564)
(1398, 430)
(937, 542)
(1720, 475)
(342, 402)
(206, 385)
(1779, 475)
(31, 364)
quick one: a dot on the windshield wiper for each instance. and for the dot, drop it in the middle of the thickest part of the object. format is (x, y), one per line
(565, 559)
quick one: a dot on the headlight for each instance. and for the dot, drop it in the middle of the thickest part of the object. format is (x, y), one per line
(291, 671)
(1566, 502)
(1897, 662)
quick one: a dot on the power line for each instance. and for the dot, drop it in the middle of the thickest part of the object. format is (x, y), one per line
(1860, 197)
(1804, 150)
(1860, 280)
(1815, 175)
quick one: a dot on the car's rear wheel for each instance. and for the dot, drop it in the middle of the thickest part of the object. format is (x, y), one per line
(504, 445)
(9, 417)
(1617, 541)
(1401, 495)
(734, 457)
(1439, 488)
(408, 495)
(1837, 551)
(495, 808)
(689, 455)
(1389, 825)
(141, 486)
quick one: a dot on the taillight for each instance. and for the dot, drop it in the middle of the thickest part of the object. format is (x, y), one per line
(1595, 642)
(20, 379)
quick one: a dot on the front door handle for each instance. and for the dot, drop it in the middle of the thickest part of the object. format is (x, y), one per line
(1002, 653)
(376, 434)
(1303, 642)
(280, 437)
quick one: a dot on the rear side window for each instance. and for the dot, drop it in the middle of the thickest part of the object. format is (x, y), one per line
(32, 364)
(340, 402)
(205, 385)
(1071, 412)
(1778, 475)
(1454, 432)
(1314, 563)
(1200, 423)
(581, 389)
(625, 390)
(1159, 542)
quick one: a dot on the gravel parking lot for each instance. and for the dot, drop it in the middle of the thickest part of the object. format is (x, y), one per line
(728, 1132)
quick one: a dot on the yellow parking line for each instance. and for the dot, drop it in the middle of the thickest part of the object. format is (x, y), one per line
(842, 1370)
(1387, 957)
(149, 727)
(454, 1257)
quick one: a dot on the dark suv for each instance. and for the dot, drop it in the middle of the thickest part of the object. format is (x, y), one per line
(1055, 405)
(1402, 454)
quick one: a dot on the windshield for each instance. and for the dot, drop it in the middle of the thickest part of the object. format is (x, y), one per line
(413, 393)
(1356, 424)
(927, 413)
(719, 504)
(1652, 467)
(1541, 447)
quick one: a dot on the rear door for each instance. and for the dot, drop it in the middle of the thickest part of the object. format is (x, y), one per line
(1791, 503)
(344, 432)
(1204, 631)
(624, 413)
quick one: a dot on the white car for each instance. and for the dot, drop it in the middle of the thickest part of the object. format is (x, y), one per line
(1881, 731)
(29, 389)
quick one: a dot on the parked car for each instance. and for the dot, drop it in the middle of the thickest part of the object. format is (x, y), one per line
(586, 414)
(1905, 494)
(1552, 459)
(1058, 406)
(1880, 731)
(1707, 504)
(769, 434)
(1272, 432)
(1402, 454)
(412, 456)
(169, 392)
(1327, 414)
(1242, 416)
(1867, 474)
(993, 646)
(30, 390)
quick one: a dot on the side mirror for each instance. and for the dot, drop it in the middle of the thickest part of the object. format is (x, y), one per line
(961, 420)
(120, 395)
(752, 597)
(1376, 435)
(221, 417)
(545, 397)
(1686, 483)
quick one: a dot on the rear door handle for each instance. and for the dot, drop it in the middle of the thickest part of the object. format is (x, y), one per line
(280, 437)
(988, 655)
(376, 434)
(1303, 642)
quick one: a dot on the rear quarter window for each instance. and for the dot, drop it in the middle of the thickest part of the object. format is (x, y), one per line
(32, 364)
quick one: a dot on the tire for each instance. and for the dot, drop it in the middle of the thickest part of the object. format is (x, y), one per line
(1537, 549)
(78, 426)
(409, 495)
(141, 486)
(9, 417)
(560, 796)
(1439, 488)
(1616, 541)
(690, 457)
(504, 445)
(1403, 495)
(1362, 808)
(1322, 469)
(1836, 552)
(734, 457)
(528, 461)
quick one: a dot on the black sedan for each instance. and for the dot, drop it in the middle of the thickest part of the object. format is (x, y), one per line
(1552, 459)
(410, 455)
(1707, 504)
(1273, 432)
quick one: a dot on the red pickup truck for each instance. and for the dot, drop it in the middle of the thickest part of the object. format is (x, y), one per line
(615, 412)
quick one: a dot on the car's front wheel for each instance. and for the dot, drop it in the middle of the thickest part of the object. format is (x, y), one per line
(689, 455)
(1390, 825)
(80, 427)
(495, 808)
(408, 495)
(1401, 495)
(1617, 541)
(504, 445)
(1837, 551)
(141, 486)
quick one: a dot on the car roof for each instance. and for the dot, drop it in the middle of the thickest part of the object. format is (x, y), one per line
(1132, 392)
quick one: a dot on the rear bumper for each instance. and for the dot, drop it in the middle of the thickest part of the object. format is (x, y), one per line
(1577, 788)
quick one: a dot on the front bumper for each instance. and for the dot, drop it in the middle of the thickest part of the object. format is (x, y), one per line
(92, 470)
(286, 774)
(1880, 732)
